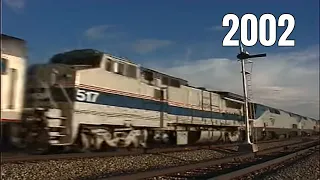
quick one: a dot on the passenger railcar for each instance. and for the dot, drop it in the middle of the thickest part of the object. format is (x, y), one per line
(92, 100)
(13, 65)
(276, 123)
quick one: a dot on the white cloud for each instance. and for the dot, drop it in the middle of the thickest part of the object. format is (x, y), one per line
(288, 81)
(16, 5)
(99, 32)
(148, 45)
(216, 28)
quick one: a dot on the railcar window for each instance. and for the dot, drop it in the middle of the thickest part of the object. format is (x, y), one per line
(4, 66)
(148, 75)
(120, 69)
(175, 83)
(131, 71)
(13, 85)
(109, 65)
(165, 81)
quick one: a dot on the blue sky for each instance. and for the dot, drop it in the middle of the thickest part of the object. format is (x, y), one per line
(180, 37)
(145, 30)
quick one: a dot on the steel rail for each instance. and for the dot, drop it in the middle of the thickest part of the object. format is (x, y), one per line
(120, 152)
(33, 158)
(159, 172)
(245, 171)
(183, 168)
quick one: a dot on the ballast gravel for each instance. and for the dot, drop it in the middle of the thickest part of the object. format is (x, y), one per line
(304, 169)
(95, 168)
(100, 167)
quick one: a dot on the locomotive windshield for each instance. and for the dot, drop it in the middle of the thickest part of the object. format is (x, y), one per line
(87, 57)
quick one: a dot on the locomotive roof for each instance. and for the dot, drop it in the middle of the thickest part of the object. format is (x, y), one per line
(241, 98)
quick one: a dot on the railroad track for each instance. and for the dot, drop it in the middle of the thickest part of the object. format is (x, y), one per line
(11, 158)
(121, 152)
(236, 166)
(260, 169)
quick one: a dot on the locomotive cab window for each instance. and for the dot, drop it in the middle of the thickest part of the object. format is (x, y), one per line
(4, 63)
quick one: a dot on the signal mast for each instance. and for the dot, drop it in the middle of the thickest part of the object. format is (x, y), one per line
(244, 57)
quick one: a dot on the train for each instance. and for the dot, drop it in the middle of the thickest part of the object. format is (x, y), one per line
(86, 99)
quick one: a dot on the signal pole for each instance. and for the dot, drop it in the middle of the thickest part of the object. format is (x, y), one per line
(246, 102)
(244, 56)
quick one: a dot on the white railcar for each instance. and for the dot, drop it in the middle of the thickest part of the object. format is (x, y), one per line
(13, 65)
(275, 123)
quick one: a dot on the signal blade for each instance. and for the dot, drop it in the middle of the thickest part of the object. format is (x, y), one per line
(258, 55)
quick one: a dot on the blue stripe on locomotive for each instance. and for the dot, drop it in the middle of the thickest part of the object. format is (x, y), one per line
(146, 104)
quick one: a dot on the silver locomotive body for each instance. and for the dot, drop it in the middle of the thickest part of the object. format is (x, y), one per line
(112, 102)
(92, 100)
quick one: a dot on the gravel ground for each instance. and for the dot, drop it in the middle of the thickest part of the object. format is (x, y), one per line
(275, 144)
(93, 168)
(305, 169)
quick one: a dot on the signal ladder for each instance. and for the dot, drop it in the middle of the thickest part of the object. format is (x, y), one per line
(248, 73)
